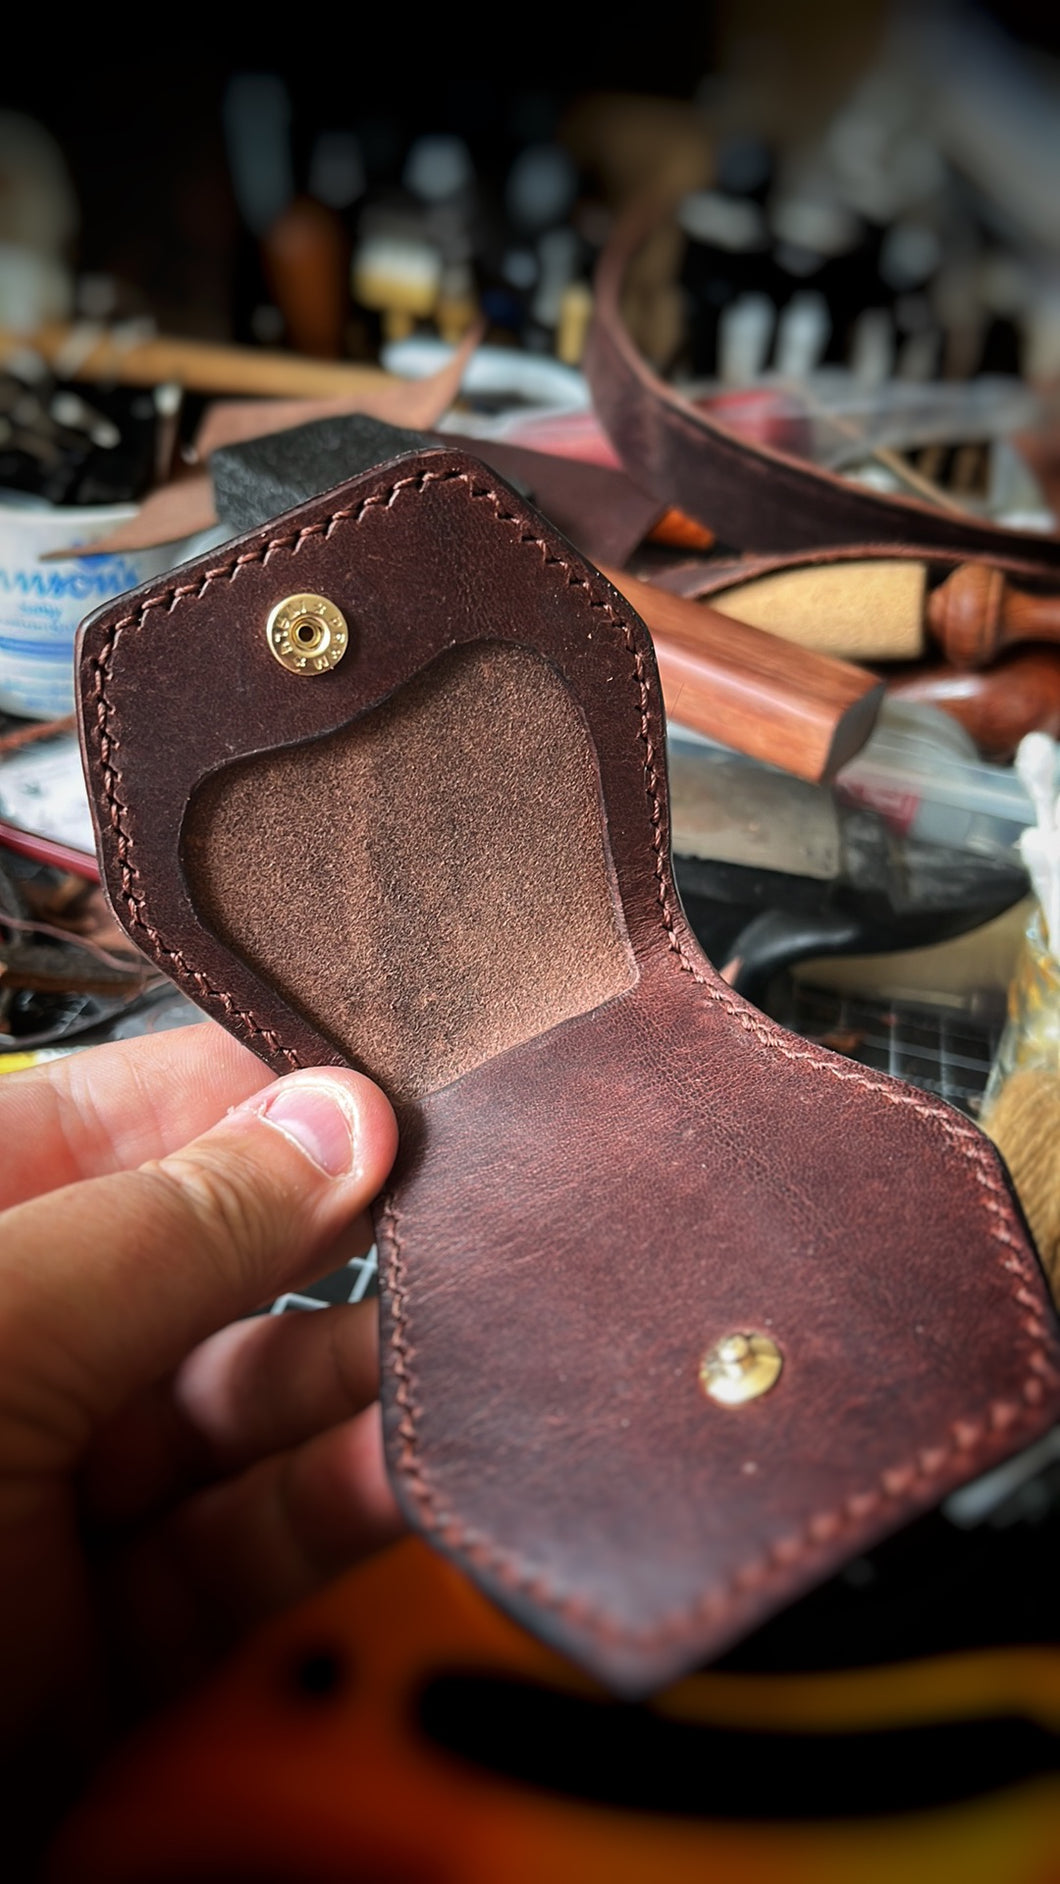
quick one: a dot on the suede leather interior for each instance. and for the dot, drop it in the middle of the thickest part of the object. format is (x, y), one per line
(449, 890)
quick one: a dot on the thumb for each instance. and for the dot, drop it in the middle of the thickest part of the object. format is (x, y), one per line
(106, 1285)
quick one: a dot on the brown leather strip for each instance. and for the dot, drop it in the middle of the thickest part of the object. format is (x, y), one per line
(752, 497)
(707, 576)
(604, 512)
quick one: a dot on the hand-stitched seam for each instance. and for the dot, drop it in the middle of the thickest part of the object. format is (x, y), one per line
(895, 1484)
(132, 889)
(896, 1481)
(132, 892)
(511, 1569)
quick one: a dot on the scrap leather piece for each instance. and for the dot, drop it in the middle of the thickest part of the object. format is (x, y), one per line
(753, 497)
(602, 511)
(703, 577)
(578, 1215)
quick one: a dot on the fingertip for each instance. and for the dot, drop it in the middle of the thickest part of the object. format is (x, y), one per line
(340, 1119)
(376, 1139)
(339, 1493)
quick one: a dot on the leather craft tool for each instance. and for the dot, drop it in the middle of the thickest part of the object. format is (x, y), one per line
(976, 613)
(997, 705)
(416, 820)
(881, 606)
(864, 611)
(881, 610)
(306, 257)
(205, 366)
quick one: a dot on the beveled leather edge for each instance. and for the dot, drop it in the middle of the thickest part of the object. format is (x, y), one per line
(753, 497)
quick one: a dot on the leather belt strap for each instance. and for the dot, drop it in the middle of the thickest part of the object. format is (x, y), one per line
(752, 496)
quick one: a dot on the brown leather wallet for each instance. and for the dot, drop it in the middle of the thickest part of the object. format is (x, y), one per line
(679, 1312)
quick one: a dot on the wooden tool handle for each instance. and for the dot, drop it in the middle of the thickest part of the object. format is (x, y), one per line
(200, 365)
(1021, 694)
(976, 612)
(802, 711)
(306, 254)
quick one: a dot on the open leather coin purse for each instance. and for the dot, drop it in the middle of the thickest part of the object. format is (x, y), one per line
(680, 1312)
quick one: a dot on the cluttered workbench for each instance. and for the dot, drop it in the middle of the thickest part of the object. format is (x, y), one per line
(776, 420)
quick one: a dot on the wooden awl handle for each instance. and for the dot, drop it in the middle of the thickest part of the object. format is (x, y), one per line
(976, 612)
(1021, 694)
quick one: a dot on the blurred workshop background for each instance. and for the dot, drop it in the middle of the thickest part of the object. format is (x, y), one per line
(862, 270)
(855, 263)
(855, 269)
(896, 160)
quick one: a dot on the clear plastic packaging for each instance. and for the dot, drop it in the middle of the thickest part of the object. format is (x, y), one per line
(921, 771)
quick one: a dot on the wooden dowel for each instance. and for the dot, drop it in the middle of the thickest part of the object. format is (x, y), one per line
(200, 365)
(753, 691)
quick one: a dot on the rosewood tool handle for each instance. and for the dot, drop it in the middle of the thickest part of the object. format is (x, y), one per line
(751, 690)
(1021, 694)
(976, 612)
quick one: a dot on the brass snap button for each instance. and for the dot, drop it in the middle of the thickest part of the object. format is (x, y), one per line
(740, 1367)
(307, 634)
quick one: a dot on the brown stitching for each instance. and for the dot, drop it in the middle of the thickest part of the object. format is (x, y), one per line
(132, 892)
(405, 1392)
(967, 1434)
(895, 1481)
(133, 897)
(820, 1530)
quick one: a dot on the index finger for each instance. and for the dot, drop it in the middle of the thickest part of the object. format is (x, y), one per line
(109, 1108)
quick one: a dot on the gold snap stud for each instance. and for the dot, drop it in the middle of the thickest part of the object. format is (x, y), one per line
(307, 634)
(739, 1367)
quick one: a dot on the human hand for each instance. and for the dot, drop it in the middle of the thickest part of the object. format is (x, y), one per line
(163, 1485)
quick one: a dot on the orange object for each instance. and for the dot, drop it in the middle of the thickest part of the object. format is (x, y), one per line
(677, 531)
(397, 1727)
